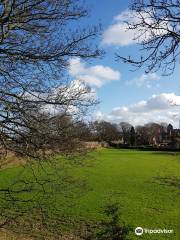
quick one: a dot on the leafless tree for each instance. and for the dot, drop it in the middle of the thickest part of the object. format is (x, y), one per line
(105, 131)
(156, 27)
(125, 129)
(40, 106)
(37, 38)
(149, 134)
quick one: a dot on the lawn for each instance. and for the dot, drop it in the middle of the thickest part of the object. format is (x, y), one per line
(145, 186)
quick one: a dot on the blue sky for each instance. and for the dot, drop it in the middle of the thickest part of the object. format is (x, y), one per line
(125, 95)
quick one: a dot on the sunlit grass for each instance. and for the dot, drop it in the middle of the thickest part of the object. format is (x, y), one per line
(145, 185)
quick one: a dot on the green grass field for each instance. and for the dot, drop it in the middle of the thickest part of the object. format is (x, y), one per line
(145, 185)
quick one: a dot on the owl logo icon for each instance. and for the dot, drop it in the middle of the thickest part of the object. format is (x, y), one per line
(139, 231)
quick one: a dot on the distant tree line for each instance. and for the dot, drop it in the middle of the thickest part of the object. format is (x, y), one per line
(125, 134)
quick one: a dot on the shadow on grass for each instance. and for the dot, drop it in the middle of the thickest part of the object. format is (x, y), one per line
(34, 199)
(110, 229)
(168, 181)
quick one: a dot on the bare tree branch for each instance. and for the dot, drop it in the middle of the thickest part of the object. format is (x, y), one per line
(157, 30)
(37, 39)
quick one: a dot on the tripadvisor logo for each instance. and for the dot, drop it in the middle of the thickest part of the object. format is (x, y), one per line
(139, 231)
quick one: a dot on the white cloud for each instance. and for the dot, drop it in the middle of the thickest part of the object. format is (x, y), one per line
(144, 80)
(97, 75)
(118, 33)
(164, 107)
(76, 67)
(76, 90)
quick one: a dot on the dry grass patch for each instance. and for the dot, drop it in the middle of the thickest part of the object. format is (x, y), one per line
(11, 160)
